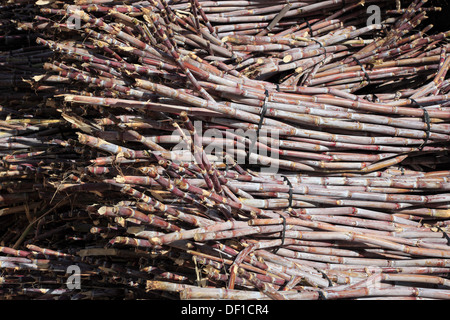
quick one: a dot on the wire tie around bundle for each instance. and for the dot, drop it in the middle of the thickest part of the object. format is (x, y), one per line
(290, 190)
(427, 120)
(321, 295)
(445, 234)
(324, 49)
(283, 233)
(363, 68)
(277, 87)
(325, 276)
(319, 43)
(322, 46)
(309, 27)
(261, 119)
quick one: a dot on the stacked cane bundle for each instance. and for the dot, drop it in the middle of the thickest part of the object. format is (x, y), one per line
(226, 150)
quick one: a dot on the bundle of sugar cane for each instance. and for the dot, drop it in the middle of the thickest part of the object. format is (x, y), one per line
(320, 249)
(308, 250)
(342, 42)
(142, 168)
(322, 114)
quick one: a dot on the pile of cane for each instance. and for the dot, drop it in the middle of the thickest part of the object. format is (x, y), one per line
(232, 149)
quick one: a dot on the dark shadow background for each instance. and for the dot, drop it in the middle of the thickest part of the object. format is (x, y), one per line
(440, 20)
